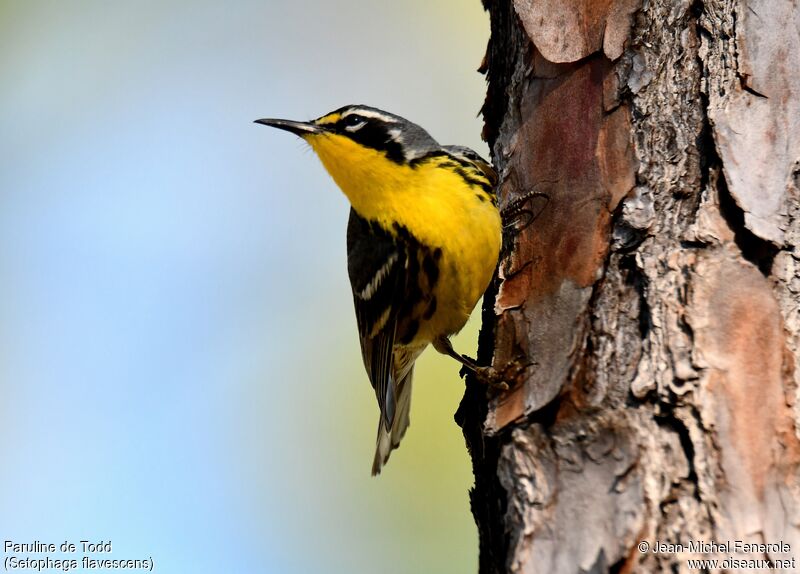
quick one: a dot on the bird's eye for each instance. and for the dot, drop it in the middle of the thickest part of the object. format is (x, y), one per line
(353, 121)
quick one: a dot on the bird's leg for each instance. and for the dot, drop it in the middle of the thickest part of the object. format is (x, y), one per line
(488, 375)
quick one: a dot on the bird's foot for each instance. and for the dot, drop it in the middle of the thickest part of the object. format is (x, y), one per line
(500, 379)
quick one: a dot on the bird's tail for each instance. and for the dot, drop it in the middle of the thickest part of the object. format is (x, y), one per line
(388, 440)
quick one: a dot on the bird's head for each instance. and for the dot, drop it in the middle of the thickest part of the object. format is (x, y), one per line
(362, 147)
(397, 138)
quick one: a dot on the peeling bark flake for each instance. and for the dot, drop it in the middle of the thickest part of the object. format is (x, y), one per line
(654, 300)
(757, 107)
(567, 31)
(581, 159)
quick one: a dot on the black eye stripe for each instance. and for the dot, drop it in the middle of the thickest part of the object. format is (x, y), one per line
(375, 134)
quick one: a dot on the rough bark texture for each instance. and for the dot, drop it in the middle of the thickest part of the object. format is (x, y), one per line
(649, 155)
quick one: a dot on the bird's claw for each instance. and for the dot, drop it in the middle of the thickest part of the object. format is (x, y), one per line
(499, 379)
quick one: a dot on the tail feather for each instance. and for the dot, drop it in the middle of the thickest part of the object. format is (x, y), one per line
(388, 440)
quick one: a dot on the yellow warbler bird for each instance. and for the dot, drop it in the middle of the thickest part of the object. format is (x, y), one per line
(422, 244)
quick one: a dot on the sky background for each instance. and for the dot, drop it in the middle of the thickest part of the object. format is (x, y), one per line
(179, 365)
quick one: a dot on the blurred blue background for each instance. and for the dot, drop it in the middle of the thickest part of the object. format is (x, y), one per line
(179, 365)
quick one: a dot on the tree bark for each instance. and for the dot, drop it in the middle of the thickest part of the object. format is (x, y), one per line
(649, 159)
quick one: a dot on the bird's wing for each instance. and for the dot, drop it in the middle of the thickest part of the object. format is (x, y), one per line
(376, 263)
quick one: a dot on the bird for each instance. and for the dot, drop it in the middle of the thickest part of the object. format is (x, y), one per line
(423, 240)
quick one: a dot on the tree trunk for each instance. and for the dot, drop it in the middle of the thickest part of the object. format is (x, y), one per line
(649, 155)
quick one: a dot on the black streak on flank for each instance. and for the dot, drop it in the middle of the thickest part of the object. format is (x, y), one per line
(413, 294)
(473, 181)
(465, 170)
(410, 332)
(431, 270)
(430, 310)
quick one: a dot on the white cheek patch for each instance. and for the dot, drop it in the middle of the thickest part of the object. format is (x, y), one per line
(408, 151)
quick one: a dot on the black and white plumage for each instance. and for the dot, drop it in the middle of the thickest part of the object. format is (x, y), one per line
(385, 271)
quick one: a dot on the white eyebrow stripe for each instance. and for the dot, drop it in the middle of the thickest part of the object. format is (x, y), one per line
(371, 114)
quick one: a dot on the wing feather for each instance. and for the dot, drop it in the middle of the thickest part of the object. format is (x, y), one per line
(376, 262)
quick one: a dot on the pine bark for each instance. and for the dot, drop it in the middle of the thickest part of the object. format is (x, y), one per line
(649, 159)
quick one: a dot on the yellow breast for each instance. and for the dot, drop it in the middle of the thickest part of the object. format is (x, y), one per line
(437, 206)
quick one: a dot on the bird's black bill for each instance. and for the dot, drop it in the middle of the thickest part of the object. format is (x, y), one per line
(297, 128)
